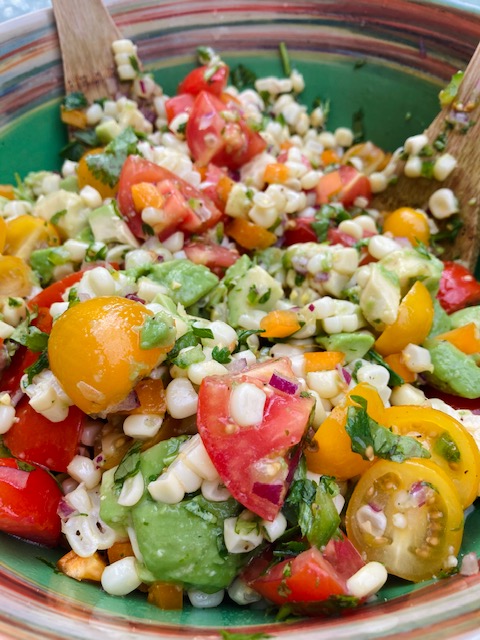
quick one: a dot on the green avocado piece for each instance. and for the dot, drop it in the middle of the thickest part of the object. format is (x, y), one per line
(465, 316)
(255, 290)
(453, 371)
(353, 345)
(411, 265)
(186, 282)
(44, 261)
(441, 320)
(112, 513)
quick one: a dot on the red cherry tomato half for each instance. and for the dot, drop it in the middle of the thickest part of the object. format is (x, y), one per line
(212, 137)
(182, 103)
(185, 208)
(254, 461)
(205, 78)
(36, 439)
(28, 503)
(458, 288)
(213, 256)
(299, 230)
(344, 185)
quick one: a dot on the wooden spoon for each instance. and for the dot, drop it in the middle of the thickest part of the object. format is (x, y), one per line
(86, 31)
(464, 180)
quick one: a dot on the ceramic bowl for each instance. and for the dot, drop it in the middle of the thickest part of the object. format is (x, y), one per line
(380, 63)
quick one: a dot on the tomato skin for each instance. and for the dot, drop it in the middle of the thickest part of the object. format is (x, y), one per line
(28, 503)
(36, 439)
(195, 81)
(179, 214)
(211, 138)
(213, 256)
(456, 402)
(312, 576)
(458, 288)
(345, 185)
(240, 453)
(182, 103)
(299, 231)
(54, 292)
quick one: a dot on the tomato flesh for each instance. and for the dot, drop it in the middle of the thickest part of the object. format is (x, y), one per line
(28, 503)
(36, 439)
(213, 256)
(458, 288)
(242, 455)
(205, 79)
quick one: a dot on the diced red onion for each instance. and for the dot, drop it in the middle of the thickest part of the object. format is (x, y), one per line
(469, 566)
(64, 509)
(311, 307)
(282, 384)
(16, 397)
(375, 507)
(133, 296)
(270, 492)
(321, 276)
(345, 374)
(99, 460)
(90, 432)
(237, 365)
(127, 404)
(403, 241)
(459, 117)
(476, 412)
(419, 492)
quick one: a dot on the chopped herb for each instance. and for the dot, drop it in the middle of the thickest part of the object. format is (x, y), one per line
(395, 380)
(446, 447)
(255, 297)
(37, 367)
(4, 450)
(205, 54)
(187, 340)
(243, 336)
(202, 332)
(87, 136)
(182, 127)
(371, 439)
(285, 58)
(244, 527)
(242, 77)
(223, 355)
(134, 62)
(55, 219)
(324, 105)
(96, 253)
(440, 141)
(196, 509)
(13, 302)
(426, 151)
(24, 466)
(449, 232)
(299, 279)
(289, 549)
(422, 250)
(75, 100)
(30, 336)
(147, 230)
(73, 298)
(106, 166)
(448, 95)
(129, 465)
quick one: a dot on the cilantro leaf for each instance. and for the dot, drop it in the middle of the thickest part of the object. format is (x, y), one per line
(372, 439)
(129, 465)
(285, 58)
(30, 336)
(395, 380)
(221, 355)
(75, 100)
(202, 332)
(4, 450)
(242, 77)
(187, 340)
(243, 336)
(106, 166)
(37, 367)
(446, 447)
(449, 93)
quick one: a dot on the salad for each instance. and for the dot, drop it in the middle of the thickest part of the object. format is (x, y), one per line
(224, 373)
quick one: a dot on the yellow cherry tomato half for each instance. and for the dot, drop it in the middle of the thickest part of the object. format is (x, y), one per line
(94, 351)
(86, 177)
(15, 277)
(408, 223)
(413, 322)
(331, 450)
(372, 157)
(407, 516)
(449, 443)
(27, 233)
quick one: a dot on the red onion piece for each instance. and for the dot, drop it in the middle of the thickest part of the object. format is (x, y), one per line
(321, 276)
(270, 492)
(64, 509)
(476, 412)
(282, 384)
(133, 296)
(237, 365)
(345, 374)
(375, 507)
(127, 404)
(311, 307)
(418, 491)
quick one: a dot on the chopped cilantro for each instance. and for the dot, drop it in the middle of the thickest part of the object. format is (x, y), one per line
(75, 100)
(449, 232)
(187, 340)
(73, 297)
(96, 252)
(147, 230)
(394, 381)
(134, 62)
(255, 297)
(13, 302)
(37, 367)
(427, 169)
(193, 507)
(202, 332)
(371, 439)
(205, 54)
(242, 77)
(243, 336)
(24, 466)
(106, 166)
(440, 141)
(222, 355)
(55, 219)
(30, 336)
(446, 447)
(422, 250)
(129, 465)
(4, 450)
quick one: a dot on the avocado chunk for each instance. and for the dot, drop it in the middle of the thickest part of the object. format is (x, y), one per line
(68, 208)
(44, 261)
(255, 290)
(353, 345)
(453, 371)
(380, 297)
(465, 316)
(185, 281)
(441, 320)
(180, 543)
(411, 265)
(107, 226)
